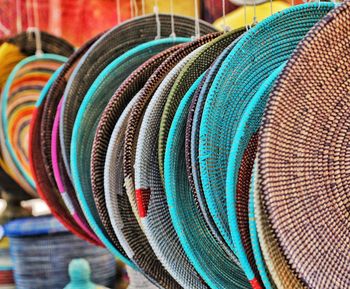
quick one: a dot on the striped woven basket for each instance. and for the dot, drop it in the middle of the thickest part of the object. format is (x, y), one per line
(41, 249)
(59, 192)
(146, 168)
(125, 225)
(21, 91)
(85, 126)
(111, 45)
(260, 50)
(308, 113)
(190, 227)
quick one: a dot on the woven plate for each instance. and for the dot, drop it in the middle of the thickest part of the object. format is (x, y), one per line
(192, 141)
(258, 256)
(261, 50)
(308, 113)
(120, 212)
(115, 105)
(240, 166)
(139, 108)
(216, 268)
(43, 186)
(85, 126)
(113, 44)
(59, 189)
(186, 276)
(146, 169)
(20, 93)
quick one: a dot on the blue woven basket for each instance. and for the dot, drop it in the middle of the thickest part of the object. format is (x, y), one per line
(41, 249)
(261, 50)
(238, 200)
(216, 268)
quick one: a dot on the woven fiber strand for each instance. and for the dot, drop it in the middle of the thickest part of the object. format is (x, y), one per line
(258, 256)
(59, 190)
(188, 226)
(240, 165)
(192, 141)
(308, 114)
(41, 252)
(20, 93)
(139, 108)
(113, 44)
(85, 126)
(44, 187)
(261, 50)
(189, 74)
(119, 209)
(163, 240)
(117, 103)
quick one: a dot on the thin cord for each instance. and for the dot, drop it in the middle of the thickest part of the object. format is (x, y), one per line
(173, 34)
(254, 18)
(143, 7)
(36, 14)
(37, 35)
(132, 8)
(271, 7)
(118, 11)
(29, 22)
(156, 12)
(224, 25)
(245, 14)
(19, 16)
(196, 15)
(4, 29)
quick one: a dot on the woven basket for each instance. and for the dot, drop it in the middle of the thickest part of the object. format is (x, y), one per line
(240, 166)
(49, 43)
(261, 50)
(215, 267)
(20, 93)
(120, 212)
(46, 189)
(146, 169)
(138, 110)
(308, 114)
(41, 250)
(192, 141)
(258, 256)
(113, 44)
(85, 126)
(189, 74)
(25, 43)
(59, 188)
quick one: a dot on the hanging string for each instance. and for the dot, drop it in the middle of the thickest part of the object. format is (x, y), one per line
(173, 34)
(156, 12)
(4, 29)
(245, 15)
(143, 7)
(271, 7)
(136, 8)
(117, 4)
(36, 14)
(37, 36)
(132, 8)
(28, 10)
(225, 27)
(254, 17)
(19, 16)
(197, 29)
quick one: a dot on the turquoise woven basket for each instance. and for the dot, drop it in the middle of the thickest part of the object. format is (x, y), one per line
(85, 125)
(216, 268)
(260, 51)
(238, 202)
